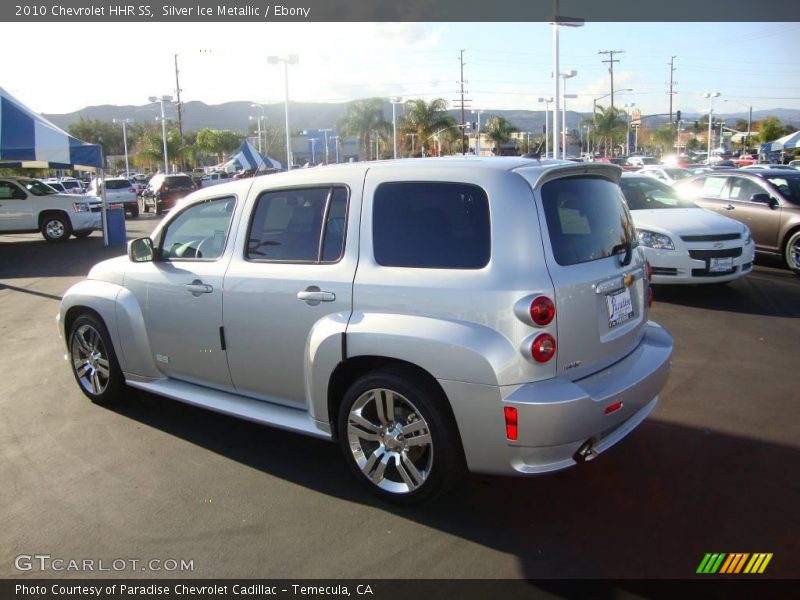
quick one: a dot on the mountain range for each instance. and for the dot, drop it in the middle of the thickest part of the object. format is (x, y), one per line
(237, 116)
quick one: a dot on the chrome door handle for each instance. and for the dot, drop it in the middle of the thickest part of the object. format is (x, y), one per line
(729, 207)
(197, 287)
(312, 295)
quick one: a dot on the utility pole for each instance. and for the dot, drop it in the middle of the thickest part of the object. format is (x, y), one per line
(671, 83)
(461, 83)
(611, 62)
(180, 109)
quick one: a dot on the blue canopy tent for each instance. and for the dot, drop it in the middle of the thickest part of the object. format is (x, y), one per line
(29, 141)
(247, 157)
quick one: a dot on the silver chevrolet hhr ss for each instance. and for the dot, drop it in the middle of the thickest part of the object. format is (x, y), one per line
(430, 315)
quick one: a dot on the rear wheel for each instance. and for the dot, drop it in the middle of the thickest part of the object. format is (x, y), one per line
(93, 361)
(792, 252)
(56, 227)
(399, 438)
(134, 210)
(145, 207)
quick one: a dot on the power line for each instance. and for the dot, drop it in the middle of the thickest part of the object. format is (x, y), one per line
(611, 62)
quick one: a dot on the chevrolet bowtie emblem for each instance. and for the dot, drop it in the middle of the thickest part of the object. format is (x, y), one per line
(628, 279)
(718, 245)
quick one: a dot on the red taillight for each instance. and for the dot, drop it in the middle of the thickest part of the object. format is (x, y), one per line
(649, 270)
(649, 297)
(510, 413)
(542, 310)
(543, 348)
(613, 408)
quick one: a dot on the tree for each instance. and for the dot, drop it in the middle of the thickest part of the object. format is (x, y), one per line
(769, 129)
(663, 138)
(96, 131)
(425, 119)
(609, 124)
(149, 148)
(498, 131)
(364, 120)
(218, 142)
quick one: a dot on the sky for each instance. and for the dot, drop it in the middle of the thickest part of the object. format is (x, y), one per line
(508, 65)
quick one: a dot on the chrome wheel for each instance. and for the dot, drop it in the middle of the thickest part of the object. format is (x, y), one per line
(90, 360)
(390, 441)
(55, 229)
(793, 252)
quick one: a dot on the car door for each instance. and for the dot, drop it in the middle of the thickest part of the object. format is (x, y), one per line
(296, 270)
(762, 219)
(16, 208)
(707, 192)
(180, 293)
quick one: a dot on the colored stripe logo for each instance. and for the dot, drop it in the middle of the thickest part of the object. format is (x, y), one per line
(734, 563)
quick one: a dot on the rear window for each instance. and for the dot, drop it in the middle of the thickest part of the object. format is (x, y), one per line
(431, 225)
(586, 218)
(179, 181)
(117, 184)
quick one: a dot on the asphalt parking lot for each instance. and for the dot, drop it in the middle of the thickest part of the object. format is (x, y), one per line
(714, 469)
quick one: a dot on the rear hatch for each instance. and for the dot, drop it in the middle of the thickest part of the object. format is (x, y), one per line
(596, 267)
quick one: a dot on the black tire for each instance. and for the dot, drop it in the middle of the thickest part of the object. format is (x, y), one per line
(419, 412)
(159, 210)
(56, 227)
(791, 252)
(134, 211)
(145, 207)
(82, 234)
(93, 361)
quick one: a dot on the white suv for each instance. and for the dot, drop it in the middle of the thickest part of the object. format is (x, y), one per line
(28, 205)
(431, 315)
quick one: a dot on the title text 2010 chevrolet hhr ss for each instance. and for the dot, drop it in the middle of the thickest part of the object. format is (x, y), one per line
(430, 315)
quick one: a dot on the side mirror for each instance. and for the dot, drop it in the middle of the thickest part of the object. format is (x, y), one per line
(141, 250)
(764, 199)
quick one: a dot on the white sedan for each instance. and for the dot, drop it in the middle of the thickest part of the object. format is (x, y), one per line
(683, 242)
(668, 175)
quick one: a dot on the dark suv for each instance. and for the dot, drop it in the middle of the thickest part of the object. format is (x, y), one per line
(164, 191)
(767, 201)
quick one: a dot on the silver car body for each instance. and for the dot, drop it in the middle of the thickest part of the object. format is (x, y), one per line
(285, 354)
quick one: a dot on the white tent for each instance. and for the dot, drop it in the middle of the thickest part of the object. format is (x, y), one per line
(247, 157)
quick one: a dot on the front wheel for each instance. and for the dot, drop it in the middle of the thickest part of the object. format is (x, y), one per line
(792, 252)
(93, 361)
(56, 228)
(399, 438)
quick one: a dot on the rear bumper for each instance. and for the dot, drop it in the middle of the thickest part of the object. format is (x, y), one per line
(557, 417)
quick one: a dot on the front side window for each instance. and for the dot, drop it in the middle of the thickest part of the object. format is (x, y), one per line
(743, 189)
(299, 225)
(200, 231)
(431, 225)
(788, 186)
(9, 191)
(587, 219)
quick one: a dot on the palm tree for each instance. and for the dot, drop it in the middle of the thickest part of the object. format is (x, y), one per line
(609, 123)
(499, 131)
(425, 119)
(663, 138)
(364, 119)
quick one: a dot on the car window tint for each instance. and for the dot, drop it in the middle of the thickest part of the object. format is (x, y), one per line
(117, 184)
(645, 194)
(200, 231)
(178, 181)
(743, 189)
(788, 186)
(431, 225)
(586, 218)
(9, 191)
(287, 225)
(712, 187)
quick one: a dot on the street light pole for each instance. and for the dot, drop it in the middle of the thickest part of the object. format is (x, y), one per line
(335, 139)
(558, 21)
(478, 113)
(547, 102)
(325, 134)
(124, 143)
(565, 75)
(161, 100)
(313, 150)
(413, 137)
(292, 59)
(628, 128)
(710, 96)
(395, 101)
(264, 118)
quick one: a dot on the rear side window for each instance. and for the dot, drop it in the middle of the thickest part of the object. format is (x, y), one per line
(712, 187)
(179, 181)
(299, 225)
(431, 225)
(586, 218)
